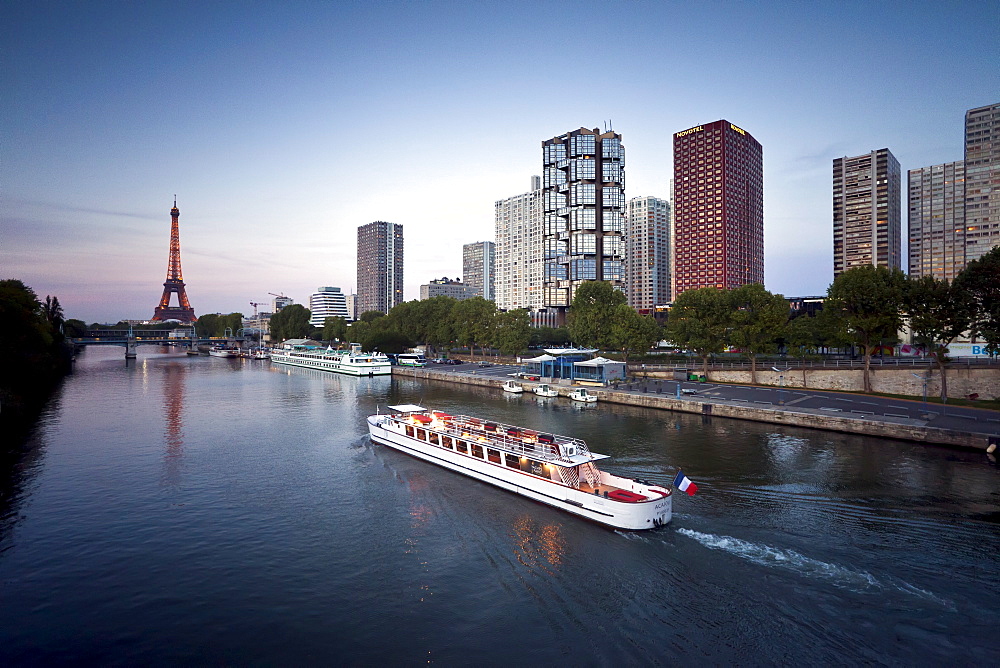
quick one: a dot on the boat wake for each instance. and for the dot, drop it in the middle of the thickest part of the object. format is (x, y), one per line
(839, 576)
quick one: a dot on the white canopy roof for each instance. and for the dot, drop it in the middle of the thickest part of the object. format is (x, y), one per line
(408, 408)
(570, 351)
(540, 358)
(597, 361)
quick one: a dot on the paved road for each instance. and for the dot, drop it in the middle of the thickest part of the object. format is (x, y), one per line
(959, 418)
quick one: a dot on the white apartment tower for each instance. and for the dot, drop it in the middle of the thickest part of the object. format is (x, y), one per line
(647, 253)
(327, 302)
(519, 262)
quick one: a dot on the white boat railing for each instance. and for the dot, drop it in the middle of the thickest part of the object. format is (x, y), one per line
(526, 444)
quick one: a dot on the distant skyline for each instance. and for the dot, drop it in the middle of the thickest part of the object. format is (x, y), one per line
(283, 127)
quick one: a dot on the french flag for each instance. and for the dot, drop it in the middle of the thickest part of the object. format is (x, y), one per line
(683, 483)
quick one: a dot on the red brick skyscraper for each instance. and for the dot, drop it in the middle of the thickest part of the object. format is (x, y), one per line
(718, 208)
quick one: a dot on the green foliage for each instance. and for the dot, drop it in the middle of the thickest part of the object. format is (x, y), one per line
(981, 280)
(802, 336)
(939, 313)
(631, 332)
(34, 352)
(758, 319)
(334, 328)
(291, 322)
(512, 332)
(474, 322)
(549, 336)
(590, 316)
(699, 321)
(867, 301)
(73, 328)
(369, 316)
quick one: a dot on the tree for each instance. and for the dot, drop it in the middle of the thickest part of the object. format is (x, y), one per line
(631, 332)
(939, 313)
(209, 325)
(758, 321)
(53, 312)
(590, 315)
(512, 331)
(981, 280)
(474, 322)
(369, 316)
(553, 336)
(334, 328)
(699, 321)
(291, 322)
(867, 301)
(802, 339)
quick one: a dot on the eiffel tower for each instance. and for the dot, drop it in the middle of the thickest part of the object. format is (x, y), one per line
(174, 282)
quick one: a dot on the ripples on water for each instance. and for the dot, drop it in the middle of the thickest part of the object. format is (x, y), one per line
(213, 511)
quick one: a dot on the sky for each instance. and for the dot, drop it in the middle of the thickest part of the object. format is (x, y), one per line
(283, 126)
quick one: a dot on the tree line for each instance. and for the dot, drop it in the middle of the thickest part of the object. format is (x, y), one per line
(34, 351)
(865, 307)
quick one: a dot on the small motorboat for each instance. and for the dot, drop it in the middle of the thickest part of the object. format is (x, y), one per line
(511, 386)
(581, 394)
(545, 391)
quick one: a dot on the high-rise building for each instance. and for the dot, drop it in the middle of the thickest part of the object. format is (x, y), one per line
(718, 208)
(479, 269)
(647, 253)
(982, 180)
(519, 262)
(867, 222)
(936, 220)
(352, 307)
(583, 205)
(445, 287)
(380, 266)
(326, 302)
(279, 302)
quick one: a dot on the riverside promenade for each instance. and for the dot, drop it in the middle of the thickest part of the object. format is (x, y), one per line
(957, 426)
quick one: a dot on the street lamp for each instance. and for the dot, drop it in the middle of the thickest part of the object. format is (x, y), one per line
(924, 380)
(781, 384)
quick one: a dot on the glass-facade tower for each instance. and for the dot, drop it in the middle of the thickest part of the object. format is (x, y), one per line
(936, 220)
(583, 205)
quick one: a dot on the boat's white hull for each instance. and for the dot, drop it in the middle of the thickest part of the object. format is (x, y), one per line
(350, 369)
(546, 393)
(223, 353)
(617, 514)
(513, 390)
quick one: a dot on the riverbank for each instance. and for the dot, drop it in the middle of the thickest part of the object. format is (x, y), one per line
(898, 426)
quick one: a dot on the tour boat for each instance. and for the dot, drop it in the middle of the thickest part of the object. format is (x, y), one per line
(556, 470)
(580, 394)
(260, 354)
(545, 391)
(352, 362)
(219, 351)
(511, 386)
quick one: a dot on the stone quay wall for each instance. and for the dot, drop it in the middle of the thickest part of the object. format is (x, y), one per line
(885, 428)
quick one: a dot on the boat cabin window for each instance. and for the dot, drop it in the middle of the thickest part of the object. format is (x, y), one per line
(477, 450)
(446, 441)
(434, 438)
(409, 431)
(513, 461)
(421, 434)
(462, 446)
(493, 455)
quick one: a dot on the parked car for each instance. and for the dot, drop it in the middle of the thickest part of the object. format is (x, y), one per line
(485, 364)
(451, 361)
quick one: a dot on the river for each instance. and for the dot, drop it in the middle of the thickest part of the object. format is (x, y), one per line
(202, 510)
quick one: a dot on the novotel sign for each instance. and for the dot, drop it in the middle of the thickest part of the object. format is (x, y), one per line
(685, 133)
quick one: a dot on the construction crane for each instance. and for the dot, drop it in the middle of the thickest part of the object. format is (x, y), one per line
(255, 305)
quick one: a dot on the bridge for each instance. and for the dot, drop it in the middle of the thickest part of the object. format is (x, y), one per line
(131, 338)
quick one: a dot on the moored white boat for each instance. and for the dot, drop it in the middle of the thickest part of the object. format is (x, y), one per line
(219, 351)
(581, 394)
(559, 471)
(352, 362)
(511, 386)
(545, 390)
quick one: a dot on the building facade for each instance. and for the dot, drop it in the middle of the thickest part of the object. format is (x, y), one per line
(583, 205)
(279, 302)
(519, 261)
(867, 220)
(327, 302)
(982, 180)
(445, 287)
(479, 269)
(936, 220)
(718, 208)
(380, 266)
(647, 253)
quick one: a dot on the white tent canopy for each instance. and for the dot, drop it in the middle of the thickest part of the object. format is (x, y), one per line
(540, 358)
(597, 361)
